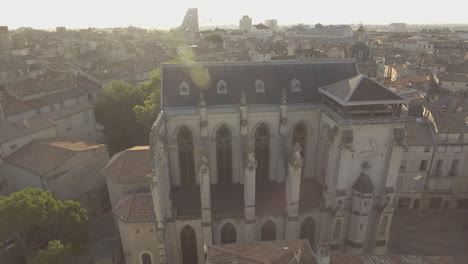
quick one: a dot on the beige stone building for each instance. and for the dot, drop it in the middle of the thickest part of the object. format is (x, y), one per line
(77, 122)
(70, 169)
(433, 171)
(127, 172)
(246, 152)
(129, 190)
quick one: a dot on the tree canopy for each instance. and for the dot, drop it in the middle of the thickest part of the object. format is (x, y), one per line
(114, 111)
(54, 253)
(147, 111)
(213, 37)
(33, 218)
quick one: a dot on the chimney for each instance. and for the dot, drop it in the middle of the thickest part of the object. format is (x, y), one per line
(322, 255)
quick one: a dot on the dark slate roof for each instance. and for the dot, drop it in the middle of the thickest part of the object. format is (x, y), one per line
(227, 200)
(276, 76)
(364, 184)
(360, 90)
(309, 194)
(270, 198)
(186, 200)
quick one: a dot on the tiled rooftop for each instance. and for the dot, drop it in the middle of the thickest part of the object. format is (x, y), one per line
(42, 156)
(135, 207)
(131, 165)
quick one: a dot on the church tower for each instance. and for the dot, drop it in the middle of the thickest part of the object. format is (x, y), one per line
(360, 33)
(365, 121)
(5, 44)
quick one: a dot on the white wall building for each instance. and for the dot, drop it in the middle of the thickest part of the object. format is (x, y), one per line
(245, 24)
(272, 23)
(432, 170)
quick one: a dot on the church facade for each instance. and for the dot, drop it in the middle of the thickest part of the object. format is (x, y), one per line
(245, 152)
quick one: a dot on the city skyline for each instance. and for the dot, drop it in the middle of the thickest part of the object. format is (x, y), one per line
(152, 14)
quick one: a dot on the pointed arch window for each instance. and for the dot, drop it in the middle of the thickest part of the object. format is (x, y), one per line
(308, 230)
(146, 258)
(224, 154)
(188, 240)
(268, 232)
(259, 86)
(262, 152)
(184, 88)
(299, 136)
(186, 156)
(337, 230)
(228, 234)
(221, 87)
(295, 85)
(383, 226)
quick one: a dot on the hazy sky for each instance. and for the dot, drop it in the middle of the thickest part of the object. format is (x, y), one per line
(169, 13)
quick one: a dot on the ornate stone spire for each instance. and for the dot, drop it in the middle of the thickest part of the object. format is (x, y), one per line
(202, 102)
(283, 98)
(243, 100)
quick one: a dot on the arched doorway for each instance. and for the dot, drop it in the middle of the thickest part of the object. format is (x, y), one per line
(262, 152)
(188, 241)
(186, 156)
(268, 232)
(308, 230)
(228, 234)
(146, 258)
(224, 154)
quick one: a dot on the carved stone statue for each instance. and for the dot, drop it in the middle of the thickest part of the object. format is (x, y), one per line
(296, 159)
(251, 163)
(203, 167)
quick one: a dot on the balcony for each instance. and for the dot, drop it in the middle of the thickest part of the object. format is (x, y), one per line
(447, 185)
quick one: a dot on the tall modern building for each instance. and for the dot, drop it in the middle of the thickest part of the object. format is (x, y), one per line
(272, 23)
(245, 24)
(245, 152)
(190, 22)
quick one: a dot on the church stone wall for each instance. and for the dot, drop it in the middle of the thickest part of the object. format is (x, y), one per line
(137, 239)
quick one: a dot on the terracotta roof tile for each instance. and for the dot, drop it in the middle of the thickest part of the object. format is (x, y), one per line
(418, 132)
(274, 252)
(24, 127)
(448, 121)
(42, 156)
(130, 165)
(135, 207)
(284, 252)
(388, 259)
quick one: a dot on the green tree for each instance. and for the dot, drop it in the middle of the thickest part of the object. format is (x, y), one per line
(33, 218)
(213, 37)
(147, 112)
(114, 111)
(54, 253)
